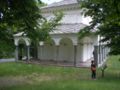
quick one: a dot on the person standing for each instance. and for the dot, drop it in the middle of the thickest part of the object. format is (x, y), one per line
(93, 70)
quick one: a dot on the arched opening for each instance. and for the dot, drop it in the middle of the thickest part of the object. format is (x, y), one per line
(66, 50)
(87, 48)
(47, 51)
(80, 48)
(33, 50)
(22, 50)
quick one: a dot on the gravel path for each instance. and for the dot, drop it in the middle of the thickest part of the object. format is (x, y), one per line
(7, 60)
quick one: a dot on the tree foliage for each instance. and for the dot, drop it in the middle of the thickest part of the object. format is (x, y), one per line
(23, 16)
(105, 16)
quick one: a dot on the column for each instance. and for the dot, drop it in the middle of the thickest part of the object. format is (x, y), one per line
(75, 54)
(28, 52)
(87, 51)
(57, 53)
(82, 52)
(41, 49)
(16, 53)
(102, 53)
(41, 52)
(96, 55)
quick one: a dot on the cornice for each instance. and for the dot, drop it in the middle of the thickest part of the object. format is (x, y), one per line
(61, 8)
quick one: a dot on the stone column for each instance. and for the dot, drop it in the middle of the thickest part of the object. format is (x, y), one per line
(16, 53)
(57, 53)
(41, 49)
(81, 52)
(41, 52)
(104, 52)
(75, 54)
(28, 52)
(96, 55)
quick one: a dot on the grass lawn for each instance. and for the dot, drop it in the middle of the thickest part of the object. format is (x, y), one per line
(21, 76)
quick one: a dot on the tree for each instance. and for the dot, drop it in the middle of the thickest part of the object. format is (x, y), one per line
(23, 16)
(42, 33)
(16, 16)
(105, 16)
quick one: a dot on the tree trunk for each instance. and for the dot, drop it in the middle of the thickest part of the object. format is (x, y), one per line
(103, 73)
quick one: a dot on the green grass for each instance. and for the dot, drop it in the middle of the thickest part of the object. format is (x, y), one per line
(21, 76)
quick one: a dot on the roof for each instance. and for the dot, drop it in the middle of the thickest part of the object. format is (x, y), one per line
(18, 34)
(61, 3)
(68, 28)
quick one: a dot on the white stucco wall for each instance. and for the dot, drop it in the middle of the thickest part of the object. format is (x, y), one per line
(66, 50)
(66, 44)
(47, 51)
(79, 56)
(88, 47)
(70, 16)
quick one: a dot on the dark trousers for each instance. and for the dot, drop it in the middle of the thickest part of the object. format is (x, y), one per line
(93, 74)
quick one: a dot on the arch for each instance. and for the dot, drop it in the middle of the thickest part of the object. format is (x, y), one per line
(22, 41)
(49, 42)
(47, 52)
(87, 46)
(66, 50)
(26, 40)
(56, 40)
(22, 48)
(87, 40)
(67, 39)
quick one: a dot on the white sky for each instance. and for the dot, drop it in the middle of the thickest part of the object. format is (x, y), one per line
(50, 1)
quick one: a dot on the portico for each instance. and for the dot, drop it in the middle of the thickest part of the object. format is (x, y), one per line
(22, 40)
(66, 48)
(64, 45)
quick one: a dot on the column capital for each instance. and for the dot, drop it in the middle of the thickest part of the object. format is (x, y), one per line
(41, 43)
(81, 44)
(27, 45)
(57, 45)
(74, 45)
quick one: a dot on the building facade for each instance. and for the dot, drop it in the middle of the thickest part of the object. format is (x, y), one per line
(65, 45)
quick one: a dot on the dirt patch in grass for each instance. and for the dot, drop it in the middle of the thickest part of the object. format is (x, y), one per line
(29, 79)
(37, 78)
(10, 81)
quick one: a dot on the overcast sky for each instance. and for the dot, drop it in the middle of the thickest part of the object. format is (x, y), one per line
(50, 1)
